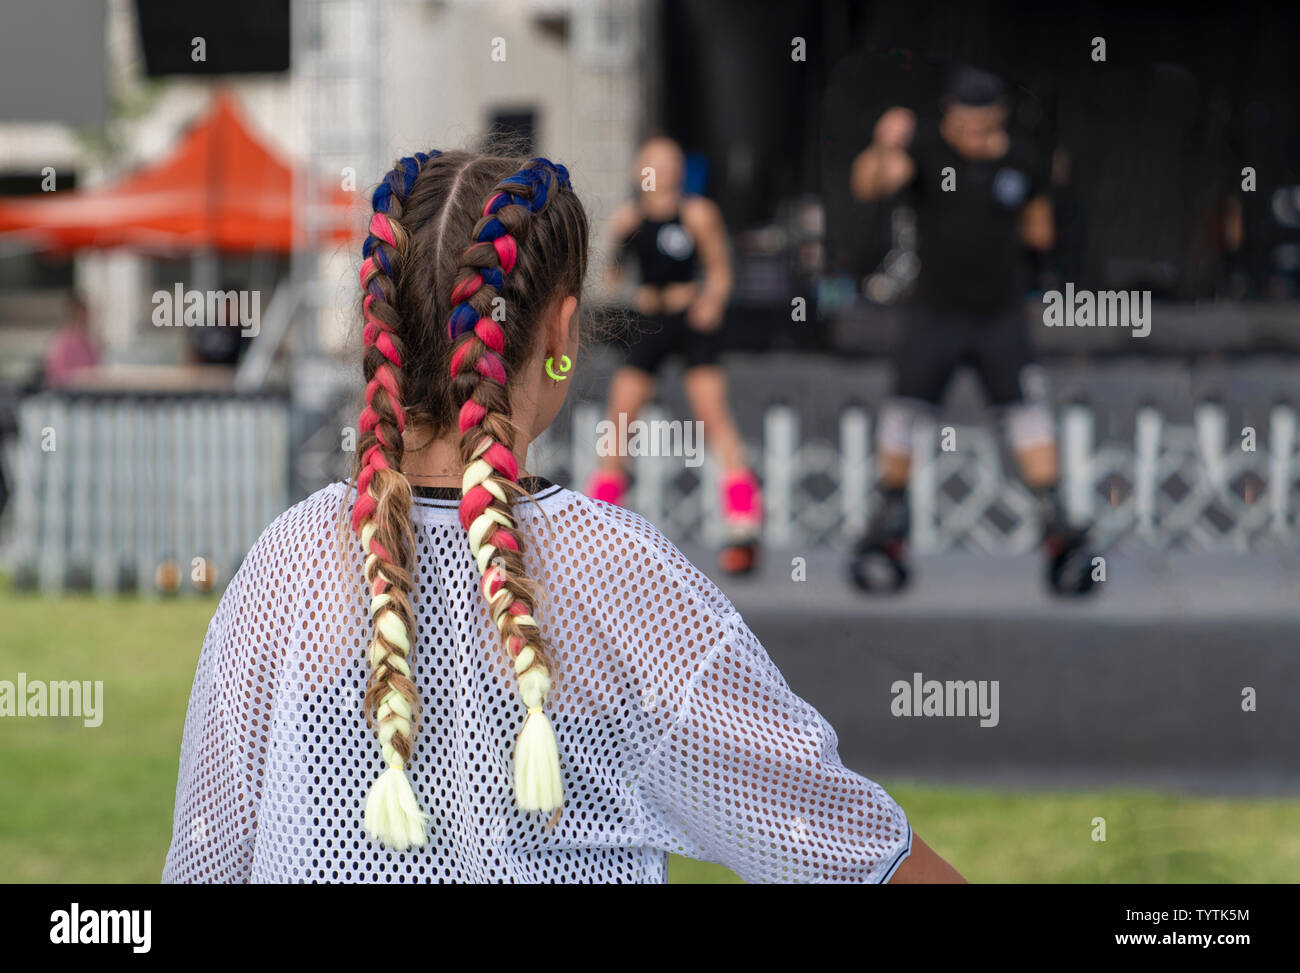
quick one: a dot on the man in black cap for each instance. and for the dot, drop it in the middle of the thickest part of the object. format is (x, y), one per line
(980, 196)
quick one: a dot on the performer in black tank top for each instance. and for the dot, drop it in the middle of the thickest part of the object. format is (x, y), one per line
(665, 251)
(679, 246)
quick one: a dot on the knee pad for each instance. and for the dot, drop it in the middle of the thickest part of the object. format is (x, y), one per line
(1030, 425)
(894, 431)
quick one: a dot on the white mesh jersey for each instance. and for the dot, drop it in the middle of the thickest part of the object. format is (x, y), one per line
(677, 732)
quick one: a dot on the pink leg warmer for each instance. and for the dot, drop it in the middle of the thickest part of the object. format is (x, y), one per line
(607, 486)
(742, 500)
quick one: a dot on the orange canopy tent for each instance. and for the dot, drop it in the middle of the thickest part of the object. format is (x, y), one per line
(220, 188)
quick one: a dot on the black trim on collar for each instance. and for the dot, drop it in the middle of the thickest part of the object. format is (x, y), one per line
(536, 485)
(443, 496)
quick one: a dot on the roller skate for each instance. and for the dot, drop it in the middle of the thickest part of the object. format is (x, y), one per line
(1067, 552)
(1069, 569)
(742, 513)
(879, 562)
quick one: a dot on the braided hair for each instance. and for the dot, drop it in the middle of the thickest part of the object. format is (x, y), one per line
(480, 380)
(444, 329)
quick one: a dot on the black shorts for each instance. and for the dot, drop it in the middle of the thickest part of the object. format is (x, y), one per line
(653, 337)
(934, 341)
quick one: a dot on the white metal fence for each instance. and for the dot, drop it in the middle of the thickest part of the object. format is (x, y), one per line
(116, 491)
(1161, 484)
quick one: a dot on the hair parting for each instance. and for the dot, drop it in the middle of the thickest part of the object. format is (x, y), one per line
(439, 353)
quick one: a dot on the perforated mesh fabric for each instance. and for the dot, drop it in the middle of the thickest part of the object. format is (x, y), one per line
(677, 732)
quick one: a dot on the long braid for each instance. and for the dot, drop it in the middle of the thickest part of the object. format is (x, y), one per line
(382, 516)
(479, 379)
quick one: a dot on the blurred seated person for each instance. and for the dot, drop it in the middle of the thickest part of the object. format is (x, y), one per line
(72, 349)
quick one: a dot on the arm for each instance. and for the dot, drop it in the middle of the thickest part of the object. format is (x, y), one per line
(704, 221)
(1036, 226)
(1233, 224)
(748, 775)
(621, 226)
(227, 732)
(924, 867)
(884, 167)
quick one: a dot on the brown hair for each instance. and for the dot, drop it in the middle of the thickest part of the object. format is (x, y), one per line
(450, 234)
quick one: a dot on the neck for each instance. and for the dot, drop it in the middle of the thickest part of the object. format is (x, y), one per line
(660, 204)
(435, 461)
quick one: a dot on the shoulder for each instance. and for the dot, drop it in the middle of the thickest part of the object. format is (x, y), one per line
(298, 535)
(700, 212)
(1024, 154)
(624, 220)
(317, 514)
(289, 557)
(625, 552)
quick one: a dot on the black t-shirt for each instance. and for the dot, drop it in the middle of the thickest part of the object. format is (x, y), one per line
(969, 236)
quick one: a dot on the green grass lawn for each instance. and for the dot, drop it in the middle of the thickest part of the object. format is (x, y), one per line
(94, 805)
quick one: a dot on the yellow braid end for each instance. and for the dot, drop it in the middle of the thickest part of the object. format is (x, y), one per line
(392, 815)
(538, 785)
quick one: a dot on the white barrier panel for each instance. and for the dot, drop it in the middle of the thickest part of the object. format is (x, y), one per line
(168, 492)
(156, 492)
(1156, 485)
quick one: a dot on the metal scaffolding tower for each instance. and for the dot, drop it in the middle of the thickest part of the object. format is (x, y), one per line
(337, 85)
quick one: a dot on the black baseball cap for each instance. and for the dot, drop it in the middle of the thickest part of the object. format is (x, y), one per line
(970, 86)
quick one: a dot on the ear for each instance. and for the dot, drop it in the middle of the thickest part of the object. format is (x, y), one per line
(559, 326)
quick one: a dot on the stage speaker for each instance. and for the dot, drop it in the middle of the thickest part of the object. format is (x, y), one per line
(210, 38)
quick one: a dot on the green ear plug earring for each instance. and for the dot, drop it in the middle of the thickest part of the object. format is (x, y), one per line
(565, 365)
